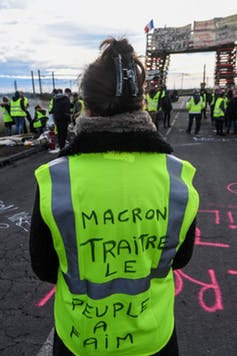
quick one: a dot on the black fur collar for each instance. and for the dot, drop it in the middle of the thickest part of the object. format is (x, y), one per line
(96, 142)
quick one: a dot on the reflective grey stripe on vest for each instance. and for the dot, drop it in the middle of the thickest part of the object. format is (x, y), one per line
(61, 199)
(177, 206)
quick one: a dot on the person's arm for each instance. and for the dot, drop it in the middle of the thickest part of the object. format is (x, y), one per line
(23, 105)
(222, 106)
(185, 251)
(44, 260)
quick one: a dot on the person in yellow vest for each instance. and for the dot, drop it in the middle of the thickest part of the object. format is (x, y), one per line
(204, 95)
(28, 115)
(195, 105)
(153, 102)
(219, 113)
(18, 112)
(113, 216)
(40, 120)
(7, 119)
(78, 107)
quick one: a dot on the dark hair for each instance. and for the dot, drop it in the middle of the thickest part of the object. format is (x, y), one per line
(17, 94)
(55, 91)
(5, 99)
(99, 82)
(67, 90)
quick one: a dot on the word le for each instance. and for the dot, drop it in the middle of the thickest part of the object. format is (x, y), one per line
(21, 219)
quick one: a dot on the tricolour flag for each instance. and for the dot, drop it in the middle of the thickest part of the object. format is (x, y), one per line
(149, 26)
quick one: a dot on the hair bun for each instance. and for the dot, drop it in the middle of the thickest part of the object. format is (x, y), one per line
(112, 48)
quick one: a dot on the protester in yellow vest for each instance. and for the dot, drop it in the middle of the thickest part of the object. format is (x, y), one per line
(219, 113)
(28, 115)
(112, 218)
(6, 117)
(40, 119)
(195, 106)
(153, 103)
(18, 112)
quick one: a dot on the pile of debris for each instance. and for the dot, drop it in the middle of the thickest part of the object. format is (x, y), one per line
(20, 145)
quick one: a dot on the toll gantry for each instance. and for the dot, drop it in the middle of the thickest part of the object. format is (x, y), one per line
(218, 34)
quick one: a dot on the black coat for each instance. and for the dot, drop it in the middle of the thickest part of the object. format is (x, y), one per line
(231, 111)
(61, 109)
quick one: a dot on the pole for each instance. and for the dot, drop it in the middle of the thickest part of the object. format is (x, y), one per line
(15, 85)
(33, 83)
(204, 74)
(40, 85)
(53, 80)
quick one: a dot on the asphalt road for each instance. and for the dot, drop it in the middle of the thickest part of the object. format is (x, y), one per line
(206, 300)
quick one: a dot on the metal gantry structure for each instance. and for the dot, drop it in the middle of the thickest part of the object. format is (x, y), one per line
(226, 70)
(225, 67)
(157, 61)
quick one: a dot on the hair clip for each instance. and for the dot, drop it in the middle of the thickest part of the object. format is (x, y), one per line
(119, 75)
(128, 74)
(131, 76)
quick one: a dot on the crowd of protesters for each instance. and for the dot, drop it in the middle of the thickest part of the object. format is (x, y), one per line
(222, 105)
(66, 106)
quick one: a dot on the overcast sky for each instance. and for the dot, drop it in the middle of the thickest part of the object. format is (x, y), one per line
(63, 36)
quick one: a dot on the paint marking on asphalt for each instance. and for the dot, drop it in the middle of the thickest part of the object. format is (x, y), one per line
(44, 300)
(172, 124)
(47, 348)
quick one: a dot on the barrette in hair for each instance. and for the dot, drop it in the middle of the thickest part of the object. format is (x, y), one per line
(119, 75)
(131, 76)
(128, 74)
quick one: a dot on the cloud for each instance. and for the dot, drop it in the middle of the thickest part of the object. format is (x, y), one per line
(13, 4)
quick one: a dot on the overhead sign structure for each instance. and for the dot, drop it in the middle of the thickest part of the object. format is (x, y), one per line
(171, 39)
(205, 35)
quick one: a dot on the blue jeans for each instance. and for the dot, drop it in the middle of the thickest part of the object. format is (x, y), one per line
(19, 120)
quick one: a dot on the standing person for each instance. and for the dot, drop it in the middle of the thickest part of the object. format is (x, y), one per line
(60, 108)
(113, 216)
(219, 113)
(195, 106)
(7, 119)
(214, 96)
(203, 94)
(166, 106)
(78, 107)
(231, 113)
(18, 112)
(28, 115)
(153, 102)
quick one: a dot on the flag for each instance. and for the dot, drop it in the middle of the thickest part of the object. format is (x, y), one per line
(149, 26)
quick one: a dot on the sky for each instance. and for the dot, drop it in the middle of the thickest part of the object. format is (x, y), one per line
(64, 36)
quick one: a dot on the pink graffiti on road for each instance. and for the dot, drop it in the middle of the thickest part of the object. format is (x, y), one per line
(213, 286)
(46, 298)
(232, 187)
(231, 219)
(204, 243)
(233, 272)
(216, 214)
